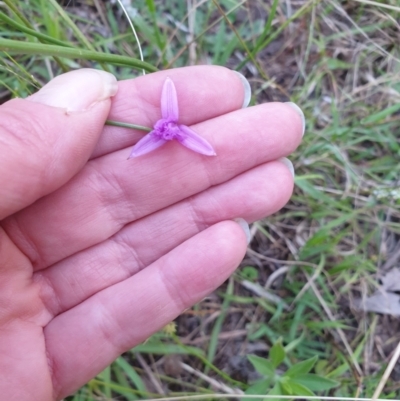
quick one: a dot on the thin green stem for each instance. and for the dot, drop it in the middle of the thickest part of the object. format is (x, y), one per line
(81, 37)
(275, 34)
(20, 47)
(242, 42)
(22, 28)
(127, 125)
(18, 13)
(26, 77)
(152, 10)
(21, 16)
(268, 24)
(214, 23)
(130, 22)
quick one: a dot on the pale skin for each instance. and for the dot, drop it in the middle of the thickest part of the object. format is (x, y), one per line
(98, 252)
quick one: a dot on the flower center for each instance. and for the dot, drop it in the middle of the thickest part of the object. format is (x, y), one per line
(167, 130)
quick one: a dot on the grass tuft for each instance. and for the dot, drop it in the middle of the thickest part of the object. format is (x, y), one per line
(293, 299)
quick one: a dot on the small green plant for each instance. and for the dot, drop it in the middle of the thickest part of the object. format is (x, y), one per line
(296, 380)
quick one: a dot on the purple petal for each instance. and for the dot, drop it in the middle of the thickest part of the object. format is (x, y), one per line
(195, 142)
(169, 101)
(147, 144)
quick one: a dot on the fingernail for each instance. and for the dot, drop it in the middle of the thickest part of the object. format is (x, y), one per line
(288, 164)
(245, 226)
(247, 89)
(77, 90)
(300, 113)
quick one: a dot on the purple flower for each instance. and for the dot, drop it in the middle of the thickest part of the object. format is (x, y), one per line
(168, 128)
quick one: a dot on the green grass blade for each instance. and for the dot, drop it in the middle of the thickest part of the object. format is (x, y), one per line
(377, 118)
(167, 349)
(273, 36)
(20, 47)
(80, 36)
(24, 74)
(18, 13)
(105, 376)
(212, 348)
(268, 24)
(152, 10)
(242, 42)
(21, 16)
(21, 28)
(130, 372)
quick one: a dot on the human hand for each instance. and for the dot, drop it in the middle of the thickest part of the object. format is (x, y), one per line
(98, 252)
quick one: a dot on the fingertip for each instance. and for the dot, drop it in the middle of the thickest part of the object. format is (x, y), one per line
(245, 227)
(300, 113)
(246, 89)
(288, 164)
(77, 90)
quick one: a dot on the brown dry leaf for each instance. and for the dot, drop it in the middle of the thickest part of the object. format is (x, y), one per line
(391, 281)
(387, 303)
(385, 300)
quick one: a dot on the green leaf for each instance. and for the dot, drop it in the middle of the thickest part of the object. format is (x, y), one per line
(293, 344)
(167, 349)
(277, 353)
(250, 273)
(131, 373)
(262, 365)
(105, 376)
(292, 388)
(258, 388)
(121, 378)
(276, 390)
(213, 345)
(335, 64)
(315, 382)
(301, 368)
(381, 115)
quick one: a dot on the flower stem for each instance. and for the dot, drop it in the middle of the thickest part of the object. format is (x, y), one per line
(127, 125)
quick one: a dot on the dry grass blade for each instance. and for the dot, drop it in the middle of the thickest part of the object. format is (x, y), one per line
(154, 380)
(387, 373)
(376, 4)
(263, 293)
(242, 42)
(191, 7)
(133, 30)
(214, 383)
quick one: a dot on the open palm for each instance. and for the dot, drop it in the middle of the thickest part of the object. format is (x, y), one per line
(98, 252)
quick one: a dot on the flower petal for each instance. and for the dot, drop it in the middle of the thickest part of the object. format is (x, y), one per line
(169, 101)
(147, 144)
(195, 142)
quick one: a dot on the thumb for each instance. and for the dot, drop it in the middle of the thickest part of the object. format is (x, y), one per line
(46, 138)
